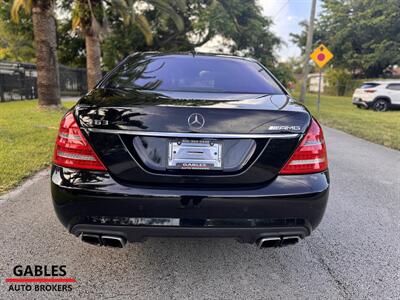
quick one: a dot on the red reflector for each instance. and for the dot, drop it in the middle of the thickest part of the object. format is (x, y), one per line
(72, 150)
(370, 91)
(310, 156)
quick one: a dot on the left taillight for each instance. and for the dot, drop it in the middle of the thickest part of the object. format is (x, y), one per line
(72, 149)
(310, 156)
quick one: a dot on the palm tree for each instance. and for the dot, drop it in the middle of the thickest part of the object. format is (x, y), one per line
(44, 30)
(90, 17)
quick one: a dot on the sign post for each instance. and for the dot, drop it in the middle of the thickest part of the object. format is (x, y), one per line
(321, 56)
(319, 90)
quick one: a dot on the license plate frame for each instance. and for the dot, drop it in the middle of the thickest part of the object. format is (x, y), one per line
(186, 154)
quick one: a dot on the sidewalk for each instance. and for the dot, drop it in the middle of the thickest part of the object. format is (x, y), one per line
(70, 98)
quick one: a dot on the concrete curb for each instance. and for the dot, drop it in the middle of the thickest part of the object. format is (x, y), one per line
(24, 185)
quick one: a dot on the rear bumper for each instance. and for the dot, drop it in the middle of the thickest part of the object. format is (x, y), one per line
(92, 202)
(141, 233)
(360, 102)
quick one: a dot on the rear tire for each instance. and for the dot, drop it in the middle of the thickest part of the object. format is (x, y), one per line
(381, 105)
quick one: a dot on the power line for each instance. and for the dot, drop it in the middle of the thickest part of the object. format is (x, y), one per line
(280, 10)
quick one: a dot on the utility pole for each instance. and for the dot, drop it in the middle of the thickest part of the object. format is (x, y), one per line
(308, 50)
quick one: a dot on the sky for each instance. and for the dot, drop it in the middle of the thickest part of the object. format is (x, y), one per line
(286, 15)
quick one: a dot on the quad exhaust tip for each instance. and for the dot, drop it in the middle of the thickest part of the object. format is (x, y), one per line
(113, 241)
(93, 239)
(269, 242)
(104, 240)
(273, 242)
(290, 240)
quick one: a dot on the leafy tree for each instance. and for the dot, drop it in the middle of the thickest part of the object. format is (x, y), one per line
(244, 23)
(122, 41)
(240, 22)
(181, 26)
(300, 39)
(91, 18)
(338, 80)
(364, 35)
(16, 40)
(295, 63)
(44, 31)
(70, 46)
(283, 71)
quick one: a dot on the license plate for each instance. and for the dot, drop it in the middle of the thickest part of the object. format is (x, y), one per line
(195, 155)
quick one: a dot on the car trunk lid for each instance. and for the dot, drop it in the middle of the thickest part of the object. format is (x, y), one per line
(170, 112)
(134, 132)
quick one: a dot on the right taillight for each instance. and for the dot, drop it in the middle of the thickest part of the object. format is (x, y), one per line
(72, 149)
(310, 156)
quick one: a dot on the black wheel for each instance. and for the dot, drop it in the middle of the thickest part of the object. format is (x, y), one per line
(359, 106)
(381, 105)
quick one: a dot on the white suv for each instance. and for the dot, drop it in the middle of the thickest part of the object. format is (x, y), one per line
(380, 95)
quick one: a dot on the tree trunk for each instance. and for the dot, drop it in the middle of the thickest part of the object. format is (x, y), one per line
(93, 63)
(48, 80)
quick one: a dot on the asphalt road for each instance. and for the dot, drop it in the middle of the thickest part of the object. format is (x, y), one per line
(354, 253)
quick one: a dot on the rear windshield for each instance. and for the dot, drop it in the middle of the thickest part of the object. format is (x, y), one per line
(193, 74)
(368, 85)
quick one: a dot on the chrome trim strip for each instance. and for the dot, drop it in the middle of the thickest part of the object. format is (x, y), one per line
(197, 135)
(306, 161)
(75, 156)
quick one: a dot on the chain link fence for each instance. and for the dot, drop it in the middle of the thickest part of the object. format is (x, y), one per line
(18, 81)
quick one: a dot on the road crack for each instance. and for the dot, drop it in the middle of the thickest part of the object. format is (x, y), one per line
(341, 286)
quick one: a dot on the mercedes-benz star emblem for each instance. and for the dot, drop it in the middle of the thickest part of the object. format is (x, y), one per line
(196, 121)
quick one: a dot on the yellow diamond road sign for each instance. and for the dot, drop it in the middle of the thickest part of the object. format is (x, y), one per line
(321, 55)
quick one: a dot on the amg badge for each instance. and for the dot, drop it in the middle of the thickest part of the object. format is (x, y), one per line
(285, 128)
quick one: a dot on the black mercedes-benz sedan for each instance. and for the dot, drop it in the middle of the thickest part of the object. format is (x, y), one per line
(189, 145)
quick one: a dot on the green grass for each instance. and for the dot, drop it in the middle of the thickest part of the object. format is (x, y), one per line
(338, 112)
(27, 136)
